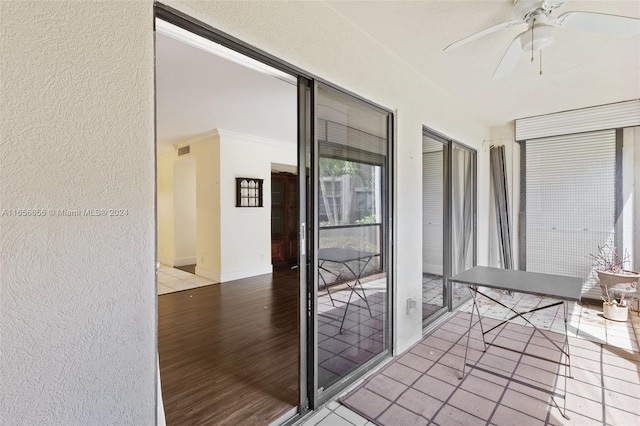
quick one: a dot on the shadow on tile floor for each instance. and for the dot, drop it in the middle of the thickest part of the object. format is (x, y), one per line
(605, 388)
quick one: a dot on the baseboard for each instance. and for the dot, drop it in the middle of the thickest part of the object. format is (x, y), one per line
(200, 271)
(165, 261)
(184, 261)
(246, 273)
(234, 275)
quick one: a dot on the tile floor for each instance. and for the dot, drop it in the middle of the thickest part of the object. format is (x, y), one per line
(171, 280)
(423, 386)
(432, 294)
(362, 334)
(586, 323)
(585, 320)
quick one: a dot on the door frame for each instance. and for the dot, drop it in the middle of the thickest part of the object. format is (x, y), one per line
(447, 245)
(290, 257)
(446, 228)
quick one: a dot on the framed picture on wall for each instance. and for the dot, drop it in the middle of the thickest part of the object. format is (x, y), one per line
(248, 192)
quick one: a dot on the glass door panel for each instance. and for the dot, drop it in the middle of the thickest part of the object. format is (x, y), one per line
(433, 226)
(463, 216)
(351, 211)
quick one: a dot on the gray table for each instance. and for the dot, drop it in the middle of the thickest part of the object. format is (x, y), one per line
(345, 256)
(566, 289)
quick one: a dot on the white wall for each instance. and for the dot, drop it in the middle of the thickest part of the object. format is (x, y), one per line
(246, 232)
(78, 295)
(176, 209)
(206, 153)
(184, 195)
(231, 242)
(166, 242)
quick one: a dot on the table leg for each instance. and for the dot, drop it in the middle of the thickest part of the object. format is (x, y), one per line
(320, 267)
(521, 315)
(354, 290)
(567, 364)
(466, 349)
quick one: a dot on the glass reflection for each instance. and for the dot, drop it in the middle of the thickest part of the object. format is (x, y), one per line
(352, 265)
(463, 224)
(433, 185)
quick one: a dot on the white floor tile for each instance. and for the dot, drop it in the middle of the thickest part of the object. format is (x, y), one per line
(182, 285)
(350, 416)
(174, 282)
(318, 417)
(333, 405)
(194, 279)
(179, 274)
(334, 420)
(163, 289)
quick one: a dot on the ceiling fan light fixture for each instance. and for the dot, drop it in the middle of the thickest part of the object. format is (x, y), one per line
(542, 37)
(541, 23)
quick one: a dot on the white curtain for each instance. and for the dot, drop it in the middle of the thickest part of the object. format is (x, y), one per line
(462, 214)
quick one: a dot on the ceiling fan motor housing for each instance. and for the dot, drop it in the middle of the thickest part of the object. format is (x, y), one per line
(524, 9)
(540, 33)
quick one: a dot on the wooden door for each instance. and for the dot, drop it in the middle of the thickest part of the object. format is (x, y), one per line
(284, 219)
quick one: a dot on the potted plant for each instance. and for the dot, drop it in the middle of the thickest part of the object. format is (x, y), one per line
(615, 309)
(617, 283)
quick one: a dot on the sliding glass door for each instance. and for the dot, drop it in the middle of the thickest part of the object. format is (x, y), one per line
(434, 225)
(339, 213)
(351, 187)
(448, 221)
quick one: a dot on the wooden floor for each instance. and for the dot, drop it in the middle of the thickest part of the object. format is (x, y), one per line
(229, 352)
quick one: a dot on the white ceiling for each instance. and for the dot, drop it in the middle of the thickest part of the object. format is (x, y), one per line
(579, 69)
(198, 92)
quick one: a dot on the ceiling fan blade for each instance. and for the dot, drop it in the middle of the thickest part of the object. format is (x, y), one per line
(509, 59)
(482, 33)
(611, 25)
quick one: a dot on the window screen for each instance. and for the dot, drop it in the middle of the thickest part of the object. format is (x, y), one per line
(570, 203)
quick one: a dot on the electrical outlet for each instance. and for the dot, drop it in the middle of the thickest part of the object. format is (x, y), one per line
(411, 305)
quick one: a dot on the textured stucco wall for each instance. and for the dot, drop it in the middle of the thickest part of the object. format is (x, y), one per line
(77, 294)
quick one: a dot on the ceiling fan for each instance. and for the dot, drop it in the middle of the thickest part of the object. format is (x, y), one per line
(541, 26)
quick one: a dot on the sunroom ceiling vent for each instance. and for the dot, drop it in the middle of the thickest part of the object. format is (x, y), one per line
(184, 150)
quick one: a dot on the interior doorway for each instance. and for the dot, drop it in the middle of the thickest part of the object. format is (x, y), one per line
(284, 220)
(228, 348)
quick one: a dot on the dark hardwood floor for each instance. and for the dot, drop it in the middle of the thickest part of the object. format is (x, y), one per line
(229, 352)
